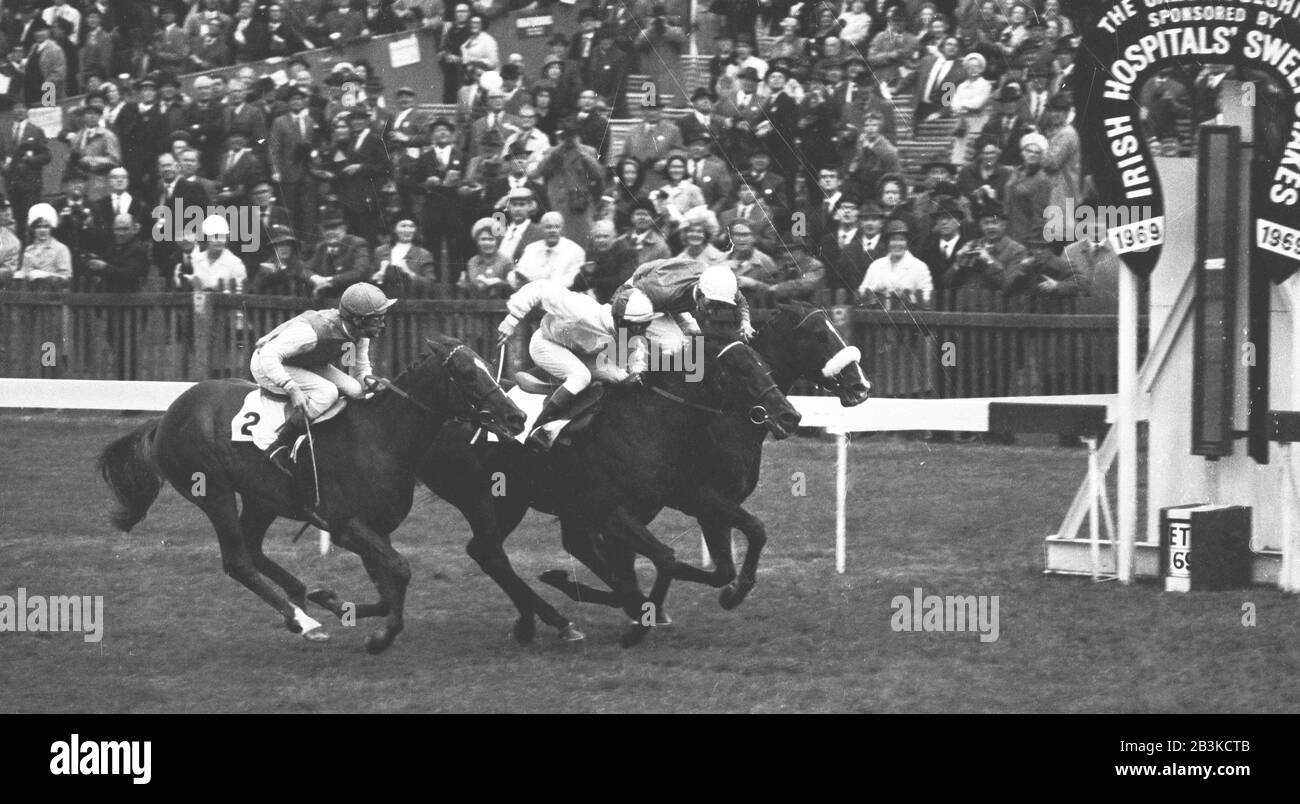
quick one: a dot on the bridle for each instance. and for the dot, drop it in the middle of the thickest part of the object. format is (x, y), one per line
(758, 414)
(478, 403)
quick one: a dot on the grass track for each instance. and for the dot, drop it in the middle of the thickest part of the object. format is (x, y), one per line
(953, 519)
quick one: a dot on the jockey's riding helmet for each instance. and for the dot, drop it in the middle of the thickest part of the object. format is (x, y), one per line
(637, 308)
(718, 283)
(364, 299)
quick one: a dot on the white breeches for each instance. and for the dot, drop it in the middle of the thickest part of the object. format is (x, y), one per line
(321, 387)
(576, 371)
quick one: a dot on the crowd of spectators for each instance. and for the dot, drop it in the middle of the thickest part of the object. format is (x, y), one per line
(783, 162)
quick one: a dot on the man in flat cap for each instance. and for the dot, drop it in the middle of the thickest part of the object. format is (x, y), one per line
(436, 177)
(47, 67)
(289, 146)
(143, 128)
(240, 168)
(360, 176)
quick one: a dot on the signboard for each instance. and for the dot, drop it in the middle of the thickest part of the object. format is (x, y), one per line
(1127, 42)
(530, 27)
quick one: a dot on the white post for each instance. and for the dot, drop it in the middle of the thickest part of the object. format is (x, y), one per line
(1094, 501)
(1289, 580)
(706, 560)
(841, 497)
(324, 542)
(1126, 422)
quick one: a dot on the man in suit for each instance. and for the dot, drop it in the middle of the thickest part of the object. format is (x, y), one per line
(242, 112)
(341, 260)
(492, 126)
(708, 172)
(1035, 95)
(407, 127)
(1008, 123)
(205, 123)
(819, 216)
(360, 176)
(268, 217)
(144, 131)
(937, 77)
(892, 53)
(939, 248)
(289, 147)
(607, 73)
(768, 186)
(844, 228)
(176, 193)
(119, 201)
(743, 110)
(47, 67)
(95, 151)
(24, 153)
(750, 209)
(592, 126)
(646, 242)
(859, 253)
(240, 168)
(518, 161)
(985, 179)
(438, 173)
(584, 47)
(520, 229)
(98, 44)
(652, 140)
(702, 120)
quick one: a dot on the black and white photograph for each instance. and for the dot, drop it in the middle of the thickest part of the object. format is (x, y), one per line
(651, 357)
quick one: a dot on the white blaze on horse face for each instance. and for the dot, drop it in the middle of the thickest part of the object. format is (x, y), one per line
(304, 621)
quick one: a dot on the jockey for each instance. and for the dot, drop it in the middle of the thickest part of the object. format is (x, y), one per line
(576, 340)
(685, 288)
(299, 359)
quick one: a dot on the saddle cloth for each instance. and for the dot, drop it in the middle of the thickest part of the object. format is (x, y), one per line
(263, 414)
(583, 409)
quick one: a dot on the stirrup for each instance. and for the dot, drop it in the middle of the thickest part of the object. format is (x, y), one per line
(282, 459)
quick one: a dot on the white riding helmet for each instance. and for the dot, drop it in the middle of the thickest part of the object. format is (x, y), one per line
(363, 299)
(718, 283)
(638, 308)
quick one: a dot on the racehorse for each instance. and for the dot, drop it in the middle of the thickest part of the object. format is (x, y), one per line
(798, 341)
(629, 458)
(366, 457)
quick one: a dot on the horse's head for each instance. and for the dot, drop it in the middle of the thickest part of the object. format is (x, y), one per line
(802, 338)
(474, 395)
(743, 382)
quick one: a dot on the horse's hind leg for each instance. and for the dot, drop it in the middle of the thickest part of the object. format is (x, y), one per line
(238, 564)
(253, 521)
(391, 573)
(485, 547)
(717, 535)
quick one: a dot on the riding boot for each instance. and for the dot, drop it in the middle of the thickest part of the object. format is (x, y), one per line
(554, 408)
(280, 453)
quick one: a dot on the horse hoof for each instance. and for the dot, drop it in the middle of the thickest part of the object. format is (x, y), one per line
(570, 634)
(523, 631)
(556, 578)
(316, 635)
(633, 634)
(733, 595)
(378, 642)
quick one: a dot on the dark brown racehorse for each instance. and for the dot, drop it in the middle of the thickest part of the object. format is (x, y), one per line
(629, 459)
(798, 341)
(366, 457)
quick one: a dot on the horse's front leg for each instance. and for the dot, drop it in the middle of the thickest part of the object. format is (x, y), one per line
(725, 514)
(391, 573)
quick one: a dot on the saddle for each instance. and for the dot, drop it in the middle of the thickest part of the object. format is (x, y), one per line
(263, 414)
(530, 392)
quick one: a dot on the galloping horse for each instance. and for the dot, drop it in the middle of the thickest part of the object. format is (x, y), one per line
(366, 457)
(799, 341)
(629, 459)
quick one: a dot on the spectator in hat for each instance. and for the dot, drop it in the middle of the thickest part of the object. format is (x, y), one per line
(401, 268)
(94, 152)
(47, 66)
(768, 186)
(406, 128)
(855, 257)
(651, 141)
(940, 248)
(340, 261)
(280, 37)
(893, 51)
(341, 22)
(1035, 94)
(74, 218)
(13, 67)
(289, 146)
(95, 54)
(702, 120)
(819, 208)
(379, 18)
(247, 35)
(281, 269)
(816, 132)
(970, 104)
(436, 176)
(359, 177)
(899, 274)
(937, 78)
(743, 109)
(592, 126)
(1063, 66)
(721, 59)
(120, 200)
(209, 40)
(610, 262)
(455, 33)
(266, 216)
(529, 141)
(205, 122)
(485, 275)
(45, 262)
(989, 261)
(662, 45)
(1029, 191)
(788, 44)
(554, 257)
(644, 238)
(753, 268)
(778, 130)
(143, 130)
(172, 105)
(875, 140)
(751, 208)
(170, 43)
(1096, 267)
(519, 229)
(627, 188)
(574, 181)
(1007, 124)
(1062, 159)
(241, 112)
(24, 153)
(583, 46)
(240, 168)
(520, 164)
(1043, 274)
(607, 72)
(493, 124)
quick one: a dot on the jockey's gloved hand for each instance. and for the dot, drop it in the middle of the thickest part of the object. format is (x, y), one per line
(747, 331)
(298, 398)
(502, 337)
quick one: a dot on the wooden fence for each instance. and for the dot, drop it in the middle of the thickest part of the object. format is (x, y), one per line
(181, 336)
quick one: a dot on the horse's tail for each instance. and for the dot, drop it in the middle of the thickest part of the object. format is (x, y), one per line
(129, 470)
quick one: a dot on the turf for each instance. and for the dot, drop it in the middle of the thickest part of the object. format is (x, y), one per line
(963, 519)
